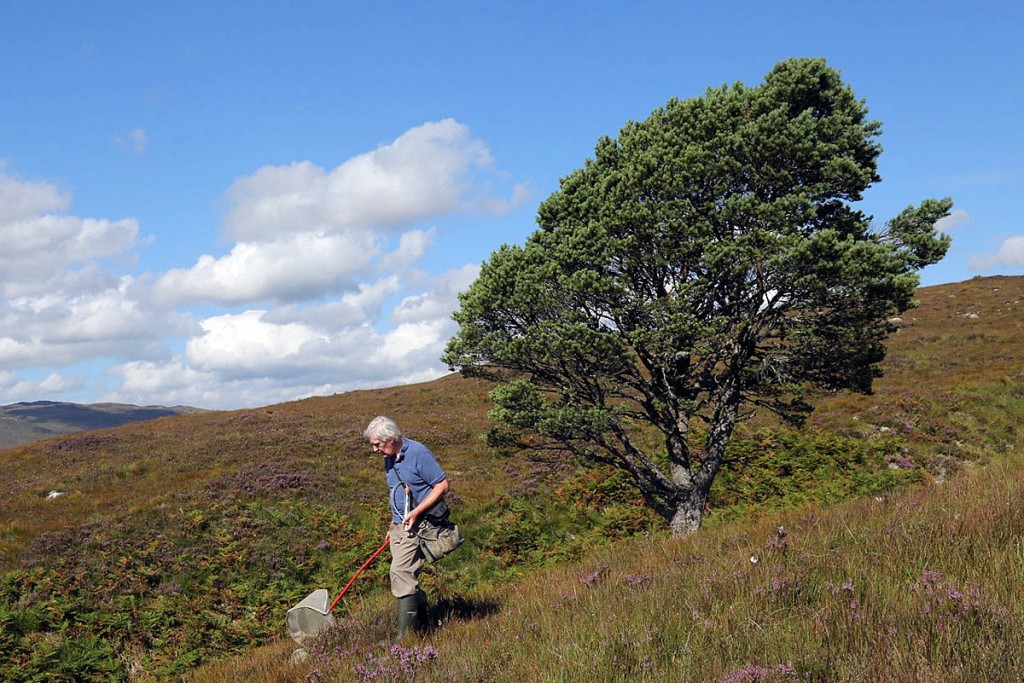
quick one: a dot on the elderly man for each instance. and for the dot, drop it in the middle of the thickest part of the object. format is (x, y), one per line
(416, 483)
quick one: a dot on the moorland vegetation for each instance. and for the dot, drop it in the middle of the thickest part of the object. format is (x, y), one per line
(881, 541)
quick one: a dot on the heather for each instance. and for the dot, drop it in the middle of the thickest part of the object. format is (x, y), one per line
(918, 585)
(881, 542)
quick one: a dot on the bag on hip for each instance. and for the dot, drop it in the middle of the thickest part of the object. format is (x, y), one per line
(438, 540)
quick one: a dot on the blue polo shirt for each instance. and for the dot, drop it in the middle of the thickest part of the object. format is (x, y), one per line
(420, 472)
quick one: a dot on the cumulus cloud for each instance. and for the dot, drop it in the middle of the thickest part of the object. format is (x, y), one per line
(63, 328)
(440, 300)
(15, 390)
(305, 232)
(354, 308)
(170, 383)
(22, 200)
(1010, 253)
(413, 245)
(41, 242)
(59, 305)
(411, 344)
(321, 290)
(245, 344)
(521, 194)
(297, 266)
(421, 174)
(262, 356)
(957, 218)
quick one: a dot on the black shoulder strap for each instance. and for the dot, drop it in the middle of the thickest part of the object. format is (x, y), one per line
(401, 481)
(438, 512)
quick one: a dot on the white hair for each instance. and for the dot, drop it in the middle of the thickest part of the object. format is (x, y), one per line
(383, 428)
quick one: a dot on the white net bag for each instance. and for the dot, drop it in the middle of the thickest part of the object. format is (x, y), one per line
(311, 616)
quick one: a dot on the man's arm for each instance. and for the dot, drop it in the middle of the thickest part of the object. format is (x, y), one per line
(440, 488)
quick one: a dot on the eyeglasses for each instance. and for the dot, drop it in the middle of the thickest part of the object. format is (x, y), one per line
(377, 445)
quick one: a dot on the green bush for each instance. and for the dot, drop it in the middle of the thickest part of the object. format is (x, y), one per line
(773, 470)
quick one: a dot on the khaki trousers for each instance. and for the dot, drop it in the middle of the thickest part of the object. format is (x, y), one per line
(406, 561)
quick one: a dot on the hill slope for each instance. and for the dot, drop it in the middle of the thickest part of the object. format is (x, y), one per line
(187, 537)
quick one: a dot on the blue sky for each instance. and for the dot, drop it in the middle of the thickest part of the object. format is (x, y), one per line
(235, 204)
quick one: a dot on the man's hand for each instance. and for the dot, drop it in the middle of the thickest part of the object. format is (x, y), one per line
(410, 520)
(436, 494)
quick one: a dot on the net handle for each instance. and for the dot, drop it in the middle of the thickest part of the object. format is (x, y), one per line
(358, 572)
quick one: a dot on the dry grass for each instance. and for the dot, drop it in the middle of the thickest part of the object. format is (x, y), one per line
(113, 472)
(963, 339)
(920, 586)
(917, 586)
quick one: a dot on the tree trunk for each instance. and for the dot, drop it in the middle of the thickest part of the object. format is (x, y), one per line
(689, 514)
(690, 505)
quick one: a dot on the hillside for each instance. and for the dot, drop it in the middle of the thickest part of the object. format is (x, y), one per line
(184, 539)
(22, 423)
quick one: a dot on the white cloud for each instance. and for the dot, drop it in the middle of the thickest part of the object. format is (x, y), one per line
(13, 391)
(337, 340)
(306, 233)
(328, 262)
(172, 383)
(66, 328)
(275, 370)
(103, 316)
(294, 267)
(421, 174)
(413, 245)
(15, 352)
(409, 341)
(247, 344)
(265, 356)
(22, 200)
(521, 194)
(40, 245)
(135, 142)
(37, 252)
(1010, 253)
(440, 300)
(176, 383)
(956, 219)
(353, 309)
(58, 304)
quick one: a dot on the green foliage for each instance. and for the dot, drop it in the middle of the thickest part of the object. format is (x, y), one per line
(85, 658)
(17, 623)
(815, 594)
(177, 586)
(709, 258)
(606, 504)
(774, 470)
(195, 554)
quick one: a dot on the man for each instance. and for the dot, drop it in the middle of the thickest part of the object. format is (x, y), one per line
(416, 483)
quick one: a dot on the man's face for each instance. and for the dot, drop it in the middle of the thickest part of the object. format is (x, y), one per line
(385, 447)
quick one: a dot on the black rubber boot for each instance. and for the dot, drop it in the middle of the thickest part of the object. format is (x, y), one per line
(408, 615)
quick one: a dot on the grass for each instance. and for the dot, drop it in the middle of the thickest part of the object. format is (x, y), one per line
(177, 544)
(920, 585)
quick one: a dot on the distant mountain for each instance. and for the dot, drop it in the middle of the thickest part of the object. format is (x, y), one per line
(22, 423)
